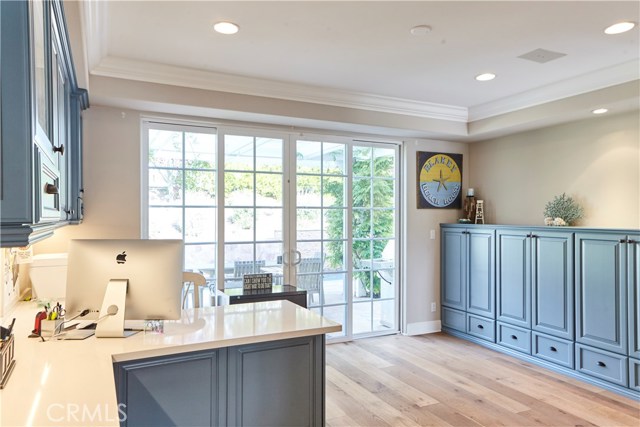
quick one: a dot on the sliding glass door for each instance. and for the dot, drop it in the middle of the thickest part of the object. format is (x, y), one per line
(319, 213)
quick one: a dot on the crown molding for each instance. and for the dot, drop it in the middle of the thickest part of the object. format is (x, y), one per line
(177, 76)
(94, 15)
(600, 79)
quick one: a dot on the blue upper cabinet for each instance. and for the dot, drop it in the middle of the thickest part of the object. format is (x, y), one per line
(514, 277)
(552, 297)
(468, 270)
(41, 123)
(601, 291)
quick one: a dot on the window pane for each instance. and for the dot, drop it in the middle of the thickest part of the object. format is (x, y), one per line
(333, 191)
(308, 156)
(333, 158)
(165, 148)
(200, 225)
(269, 253)
(238, 225)
(200, 150)
(238, 152)
(335, 288)
(361, 165)
(383, 223)
(238, 189)
(237, 252)
(269, 224)
(309, 224)
(165, 223)
(200, 258)
(383, 193)
(361, 317)
(384, 162)
(165, 187)
(334, 256)
(334, 220)
(269, 154)
(309, 190)
(361, 192)
(268, 189)
(384, 315)
(361, 227)
(200, 188)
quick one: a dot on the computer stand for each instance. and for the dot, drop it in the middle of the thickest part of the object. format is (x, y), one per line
(110, 323)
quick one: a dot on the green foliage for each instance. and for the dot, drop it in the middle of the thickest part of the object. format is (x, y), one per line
(366, 193)
(564, 207)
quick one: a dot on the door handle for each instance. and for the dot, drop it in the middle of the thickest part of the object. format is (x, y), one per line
(298, 258)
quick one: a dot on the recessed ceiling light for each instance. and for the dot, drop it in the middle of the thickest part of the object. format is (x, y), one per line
(226, 27)
(485, 77)
(421, 30)
(599, 111)
(620, 27)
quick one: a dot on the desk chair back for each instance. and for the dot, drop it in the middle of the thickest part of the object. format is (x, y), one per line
(197, 280)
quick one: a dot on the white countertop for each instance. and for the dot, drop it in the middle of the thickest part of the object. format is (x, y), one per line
(72, 382)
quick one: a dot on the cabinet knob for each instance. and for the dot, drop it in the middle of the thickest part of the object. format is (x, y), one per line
(480, 327)
(623, 241)
(552, 348)
(631, 241)
(50, 189)
(602, 364)
(513, 337)
(59, 149)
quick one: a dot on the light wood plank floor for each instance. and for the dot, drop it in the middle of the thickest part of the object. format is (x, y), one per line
(441, 380)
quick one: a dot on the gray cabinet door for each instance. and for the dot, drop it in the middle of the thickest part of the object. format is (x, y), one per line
(552, 283)
(277, 384)
(633, 278)
(187, 390)
(513, 278)
(453, 268)
(601, 291)
(481, 273)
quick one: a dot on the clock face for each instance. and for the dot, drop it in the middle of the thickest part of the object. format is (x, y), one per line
(439, 180)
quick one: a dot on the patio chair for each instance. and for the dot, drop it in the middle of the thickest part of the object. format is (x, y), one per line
(240, 268)
(309, 277)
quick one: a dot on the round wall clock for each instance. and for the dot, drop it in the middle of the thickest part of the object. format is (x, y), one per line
(439, 180)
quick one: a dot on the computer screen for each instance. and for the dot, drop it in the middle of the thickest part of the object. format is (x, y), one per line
(152, 269)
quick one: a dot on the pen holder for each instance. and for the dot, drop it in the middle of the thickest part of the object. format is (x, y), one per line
(50, 327)
(7, 363)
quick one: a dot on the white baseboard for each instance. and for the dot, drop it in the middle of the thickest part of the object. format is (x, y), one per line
(420, 328)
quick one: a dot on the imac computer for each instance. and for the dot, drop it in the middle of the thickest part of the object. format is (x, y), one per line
(124, 279)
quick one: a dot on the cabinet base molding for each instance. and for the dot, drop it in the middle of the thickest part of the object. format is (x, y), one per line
(553, 367)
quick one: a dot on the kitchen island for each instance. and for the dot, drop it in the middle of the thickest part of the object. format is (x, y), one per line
(247, 364)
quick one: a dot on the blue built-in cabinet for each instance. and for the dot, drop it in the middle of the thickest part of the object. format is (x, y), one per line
(40, 123)
(566, 298)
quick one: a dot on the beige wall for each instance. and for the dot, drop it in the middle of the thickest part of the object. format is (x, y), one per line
(421, 253)
(595, 161)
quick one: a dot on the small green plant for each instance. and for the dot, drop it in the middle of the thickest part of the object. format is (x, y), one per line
(565, 208)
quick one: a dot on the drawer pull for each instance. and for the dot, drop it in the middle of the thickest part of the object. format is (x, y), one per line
(552, 348)
(59, 149)
(602, 364)
(631, 241)
(623, 241)
(50, 189)
(513, 337)
(480, 327)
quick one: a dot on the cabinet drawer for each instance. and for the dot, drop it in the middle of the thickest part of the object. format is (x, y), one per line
(634, 374)
(602, 364)
(553, 349)
(514, 338)
(454, 319)
(481, 327)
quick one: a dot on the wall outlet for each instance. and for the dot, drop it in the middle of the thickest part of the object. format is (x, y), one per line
(432, 235)
(433, 307)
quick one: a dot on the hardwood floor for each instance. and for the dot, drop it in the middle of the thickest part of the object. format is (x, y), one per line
(441, 380)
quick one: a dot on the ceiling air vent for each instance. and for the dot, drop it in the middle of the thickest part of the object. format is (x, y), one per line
(541, 55)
